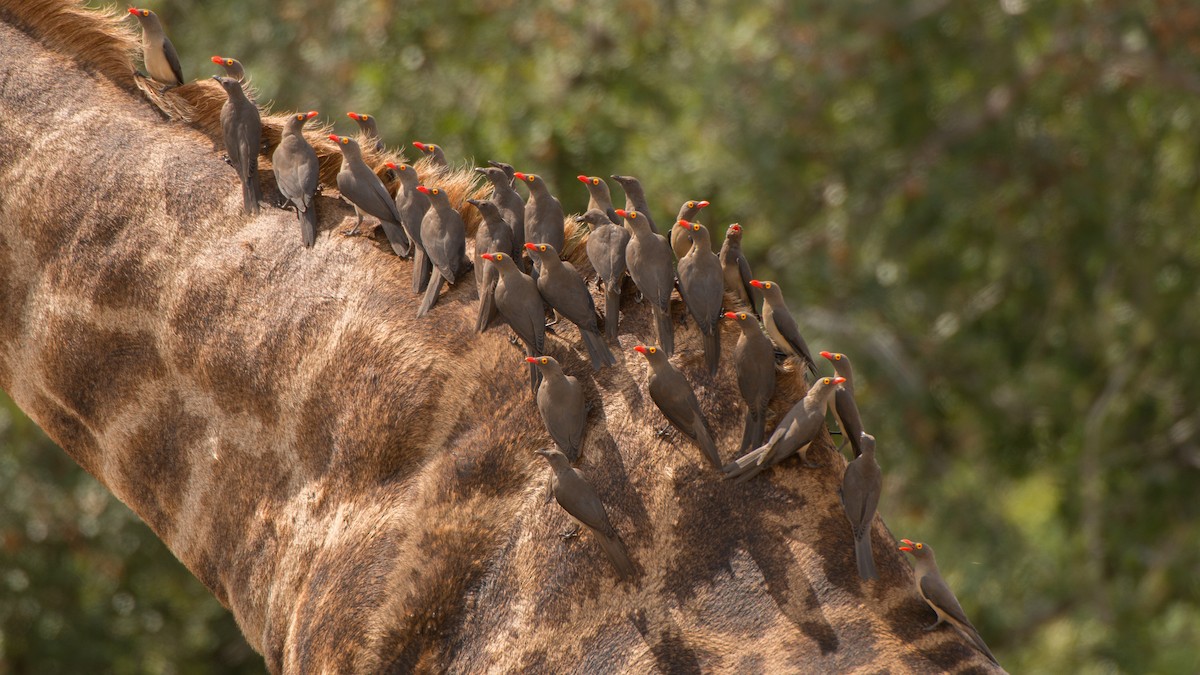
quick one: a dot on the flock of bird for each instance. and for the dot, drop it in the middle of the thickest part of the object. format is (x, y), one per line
(420, 222)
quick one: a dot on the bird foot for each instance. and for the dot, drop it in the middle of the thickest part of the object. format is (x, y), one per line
(567, 535)
(639, 298)
(225, 158)
(665, 432)
(514, 340)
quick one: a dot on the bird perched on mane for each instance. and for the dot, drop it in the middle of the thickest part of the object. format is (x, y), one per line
(579, 499)
(368, 128)
(862, 484)
(599, 197)
(492, 236)
(844, 407)
(543, 216)
(754, 361)
(795, 433)
(297, 172)
(703, 290)
(606, 251)
(936, 592)
(670, 391)
(781, 326)
(635, 199)
(232, 67)
(158, 54)
(565, 291)
(736, 270)
(241, 128)
(445, 238)
(509, 202)
(648, 256)
(681, 243)
(519, 302)
(561, 404)
(412, 205)
(433, 152)
(362, 188)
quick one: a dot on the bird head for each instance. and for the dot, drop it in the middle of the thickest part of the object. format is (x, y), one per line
(540, 360)
(648, 351)
(304, 117)
(357, 117)
(694, 227)
(765, 285)
(140, 13)
(224, 61)
(919, 550)
(431, 191)
(735, 228)
(588, 180)
(541, 249)
(427, 148)
(527, 177)
(628, 215)
(833, 356)
(488, 256)
(736, 316)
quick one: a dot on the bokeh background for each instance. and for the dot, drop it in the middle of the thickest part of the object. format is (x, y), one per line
(991, 206)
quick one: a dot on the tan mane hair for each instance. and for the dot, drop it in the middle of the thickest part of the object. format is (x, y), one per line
(98, 39)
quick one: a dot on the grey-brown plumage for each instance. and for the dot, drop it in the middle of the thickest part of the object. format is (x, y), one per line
(703, 290)
(599, 197)
(648, 257)
(158, 54)
(543, 215)
(936, 592)
(297, 172)
(795, 433)
(754, 361)
(670, 391)
(433, 152)
(520, 304)
(362, 188)
(681, 243)
(560, 401)
(241, 128)
(232, 67)
(606, 251)
(565, 291)
(444, 235)
(861, 486)
(736, 271)
(412, 205)
(492, 236)
(635, 199)
(368, 128)
(509, 202)
(844, 407)
(781, 326)
(579, 499)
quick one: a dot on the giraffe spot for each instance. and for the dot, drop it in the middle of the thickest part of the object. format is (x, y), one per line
(155, 464)
(96, 372)
(67, 430)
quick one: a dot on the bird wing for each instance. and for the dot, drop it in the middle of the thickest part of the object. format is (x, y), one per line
(677, 402)
(856, 495)
(579, 499)
(791, 332)
(172, 59)
(938, 594)
(744, 273)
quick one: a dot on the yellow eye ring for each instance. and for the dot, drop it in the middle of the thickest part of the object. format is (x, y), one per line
(654, 350)
(595, 181)
(827, 380)
(436, 191)
(545, 360)
(837, 357)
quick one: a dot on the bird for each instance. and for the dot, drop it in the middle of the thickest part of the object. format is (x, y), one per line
(754, 362)
(368, 128)
(508, 200)
(680, 242)
(635, 198)
(599, 197)
(561, 403)
(781, 326)
(670, 391)
(362, 188)
(233, 67)
(412, 205)
(444, 236)
(162, 62)
(844, 407)
(492, 236)
(507, 169)
(795, 433)
(736, 270)
(297, 172)
(648, 256)
(606, 251)
(861, 486)
(565, 291)
(579, 499)
(433, 152)
(520, 304)
(241, 128)
(938, 595)
(543, 215)
(703, 290)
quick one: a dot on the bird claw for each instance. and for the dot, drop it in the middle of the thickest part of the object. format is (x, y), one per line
(225, 158)
(665, 432)
(639, 298)
(514, 340)
(567, 535)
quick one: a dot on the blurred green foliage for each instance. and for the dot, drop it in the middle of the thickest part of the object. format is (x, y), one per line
(991, 206)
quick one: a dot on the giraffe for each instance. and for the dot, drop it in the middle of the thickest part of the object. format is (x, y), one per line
(359, 487)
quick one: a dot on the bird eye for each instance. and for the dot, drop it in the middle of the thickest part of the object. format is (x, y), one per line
(366, 118)
(691, 205)
(742, 316)
(403, 167)
(920, 546)
(654, 350)
(595, 181)
(696, 227)
(529, 178)
(299, 117)
(499, 256)
(145, 12)
(633, 214)
(345, 141)
(826, 380)
(545, 360)
(436, 191)
(768, 284)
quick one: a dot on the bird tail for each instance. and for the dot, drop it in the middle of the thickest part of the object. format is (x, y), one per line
(401, 244)
(487, 306)
(707, 446)
(756, 424)
(862, 552)
(436, 281)
(308, 225)
(974, 636)
(535, 373)
(601, 356)
(422, 270)
(615, 549)
(612, 310)
(251, 193)
(712, 351)
(665, 331)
